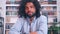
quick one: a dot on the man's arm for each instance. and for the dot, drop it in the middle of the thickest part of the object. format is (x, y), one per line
(42, 26)
(16, 27)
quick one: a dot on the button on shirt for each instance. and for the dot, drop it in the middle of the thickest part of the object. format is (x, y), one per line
(23, 26)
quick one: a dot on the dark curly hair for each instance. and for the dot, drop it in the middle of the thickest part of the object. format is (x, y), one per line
(21, 11)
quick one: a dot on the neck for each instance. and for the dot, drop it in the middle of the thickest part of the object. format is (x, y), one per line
(31, 19)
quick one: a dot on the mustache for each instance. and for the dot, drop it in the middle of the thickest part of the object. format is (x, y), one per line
(29, 11)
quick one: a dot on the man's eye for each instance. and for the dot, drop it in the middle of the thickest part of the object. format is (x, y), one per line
(31, 7)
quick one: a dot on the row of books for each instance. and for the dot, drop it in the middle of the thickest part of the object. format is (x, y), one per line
(45, 8)
(41, 1)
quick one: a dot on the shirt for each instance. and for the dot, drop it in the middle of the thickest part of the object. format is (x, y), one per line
(22, 26)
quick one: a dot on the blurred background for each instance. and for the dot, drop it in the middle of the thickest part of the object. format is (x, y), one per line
(50, 8)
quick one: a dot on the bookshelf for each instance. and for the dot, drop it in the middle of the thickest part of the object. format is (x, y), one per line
(2, 16)
(49, 9)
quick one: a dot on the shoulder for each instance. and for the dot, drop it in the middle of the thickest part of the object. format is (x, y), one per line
(19, 21)
(42, 18)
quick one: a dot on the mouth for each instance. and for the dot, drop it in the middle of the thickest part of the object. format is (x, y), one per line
(30, 13)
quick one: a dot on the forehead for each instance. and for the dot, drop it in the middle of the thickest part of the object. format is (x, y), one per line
(29, 4)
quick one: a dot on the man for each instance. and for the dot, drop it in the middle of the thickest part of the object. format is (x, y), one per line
(30, 20)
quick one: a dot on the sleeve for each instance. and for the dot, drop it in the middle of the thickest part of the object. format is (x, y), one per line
(43, 28)
(16, 28)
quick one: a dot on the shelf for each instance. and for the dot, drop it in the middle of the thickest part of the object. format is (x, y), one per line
(49, 5)
(48, 10)
(52, 15)
(41, 5)
(12, 15)
(12, 10)
(10, 23)
(53, 22)
(12, 4)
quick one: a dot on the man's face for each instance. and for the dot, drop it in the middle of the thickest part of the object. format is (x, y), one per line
(30, 9)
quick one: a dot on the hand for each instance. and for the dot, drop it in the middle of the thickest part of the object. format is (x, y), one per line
(33, 32)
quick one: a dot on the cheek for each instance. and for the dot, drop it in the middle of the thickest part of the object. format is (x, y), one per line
(34, 10)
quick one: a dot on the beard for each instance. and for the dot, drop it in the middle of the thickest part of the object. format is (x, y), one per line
(30, 16)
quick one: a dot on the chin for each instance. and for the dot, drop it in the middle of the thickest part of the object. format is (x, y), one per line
(30, 16)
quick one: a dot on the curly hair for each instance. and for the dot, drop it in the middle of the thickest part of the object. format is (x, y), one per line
(21, 11)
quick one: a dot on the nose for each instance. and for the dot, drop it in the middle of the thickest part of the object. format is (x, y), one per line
(29, 9)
